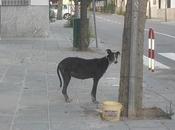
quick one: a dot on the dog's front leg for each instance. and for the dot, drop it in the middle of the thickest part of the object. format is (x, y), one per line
(94, 90)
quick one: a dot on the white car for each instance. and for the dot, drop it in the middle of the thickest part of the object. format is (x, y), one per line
(67, 11)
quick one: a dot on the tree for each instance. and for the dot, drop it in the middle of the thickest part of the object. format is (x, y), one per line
(131, 74)
(59, 14)
(121, 6)
(84, 41)
(76, 8)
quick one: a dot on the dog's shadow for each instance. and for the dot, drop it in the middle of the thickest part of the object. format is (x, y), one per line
(90, 109)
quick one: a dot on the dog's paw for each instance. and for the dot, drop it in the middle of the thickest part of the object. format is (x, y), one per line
(96, 102)
(68, 100)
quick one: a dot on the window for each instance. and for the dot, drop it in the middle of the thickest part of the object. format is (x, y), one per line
(168, 3)
(15, 2)
(159, 4)
(154, 2)
(64, 6)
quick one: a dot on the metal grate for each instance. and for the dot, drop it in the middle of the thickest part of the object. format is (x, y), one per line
(15, 2)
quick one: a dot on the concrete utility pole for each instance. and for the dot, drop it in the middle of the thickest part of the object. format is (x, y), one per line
(165, 10)
(131, 75)
(149, 8)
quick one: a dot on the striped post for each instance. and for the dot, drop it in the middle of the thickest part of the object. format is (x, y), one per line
(151, 49)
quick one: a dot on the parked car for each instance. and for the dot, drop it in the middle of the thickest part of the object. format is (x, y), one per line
(67, 11)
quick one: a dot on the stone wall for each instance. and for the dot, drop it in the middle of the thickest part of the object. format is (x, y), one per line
(171, 14)
(160, 13)
(24, 21)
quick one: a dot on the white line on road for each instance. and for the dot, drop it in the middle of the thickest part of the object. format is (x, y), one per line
(111, 21)
(108, 20)
(157, 64)
(167, 35)
(168, 55)
(163, 34)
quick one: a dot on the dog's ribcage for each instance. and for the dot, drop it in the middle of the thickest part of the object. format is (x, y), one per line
(84, 68)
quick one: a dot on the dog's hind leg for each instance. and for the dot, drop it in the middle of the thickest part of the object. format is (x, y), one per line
(94, 90)
(66, 83)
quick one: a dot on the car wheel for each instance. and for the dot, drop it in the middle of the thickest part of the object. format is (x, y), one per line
(67, 16)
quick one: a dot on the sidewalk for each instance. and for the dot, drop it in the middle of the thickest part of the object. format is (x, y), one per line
(30, 97)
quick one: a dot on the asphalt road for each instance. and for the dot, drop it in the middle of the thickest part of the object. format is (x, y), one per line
(110, 28)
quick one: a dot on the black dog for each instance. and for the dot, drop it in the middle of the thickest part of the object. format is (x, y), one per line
(84, 69)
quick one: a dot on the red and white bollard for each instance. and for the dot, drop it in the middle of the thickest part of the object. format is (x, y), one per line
(151, 47)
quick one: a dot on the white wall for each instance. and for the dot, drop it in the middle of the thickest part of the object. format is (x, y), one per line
(172, 3)
(39, 2)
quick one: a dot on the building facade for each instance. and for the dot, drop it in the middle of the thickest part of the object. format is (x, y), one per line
(120, 6)
(24, 18)
(162, 9)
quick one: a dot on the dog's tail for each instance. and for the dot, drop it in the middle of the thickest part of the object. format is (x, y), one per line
(59, 75)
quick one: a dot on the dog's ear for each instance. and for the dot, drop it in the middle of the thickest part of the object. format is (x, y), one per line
(118, 53)
(108, 51)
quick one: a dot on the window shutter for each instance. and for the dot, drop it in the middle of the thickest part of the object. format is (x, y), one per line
(15, 2)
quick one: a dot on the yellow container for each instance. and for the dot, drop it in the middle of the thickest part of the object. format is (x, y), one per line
(111, 110)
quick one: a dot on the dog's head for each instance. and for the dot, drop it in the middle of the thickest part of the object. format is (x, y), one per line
(112, 56)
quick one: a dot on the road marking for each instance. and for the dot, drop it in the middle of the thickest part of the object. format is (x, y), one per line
(158, 65)
(167, 35)
(163, 34)
(108, 20)
(111, 21)
(168, 55)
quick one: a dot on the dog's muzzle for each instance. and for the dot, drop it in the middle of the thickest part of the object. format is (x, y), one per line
(115, 62)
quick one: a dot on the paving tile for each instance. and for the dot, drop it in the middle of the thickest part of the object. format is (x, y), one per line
(32, 114)
(170, 124)
(31, 126)
(145, 124)
(148, 128)
(8, 103)
(5, 122)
